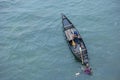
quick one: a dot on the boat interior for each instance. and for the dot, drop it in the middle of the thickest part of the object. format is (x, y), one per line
(76, 44)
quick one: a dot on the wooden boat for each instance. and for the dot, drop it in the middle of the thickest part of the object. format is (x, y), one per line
(75, 41)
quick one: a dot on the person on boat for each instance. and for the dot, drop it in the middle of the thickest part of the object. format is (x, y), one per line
(88, 70)
(74, 40)
(75, 33)
(75, 37)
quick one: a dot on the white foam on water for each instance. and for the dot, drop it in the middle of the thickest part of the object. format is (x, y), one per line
(77, 74)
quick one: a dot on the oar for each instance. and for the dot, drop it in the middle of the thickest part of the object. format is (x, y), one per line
(81, 54)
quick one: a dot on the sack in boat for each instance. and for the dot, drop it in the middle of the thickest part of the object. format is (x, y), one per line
(73, 43)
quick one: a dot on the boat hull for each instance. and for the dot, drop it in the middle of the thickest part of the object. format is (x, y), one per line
(79, 49)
